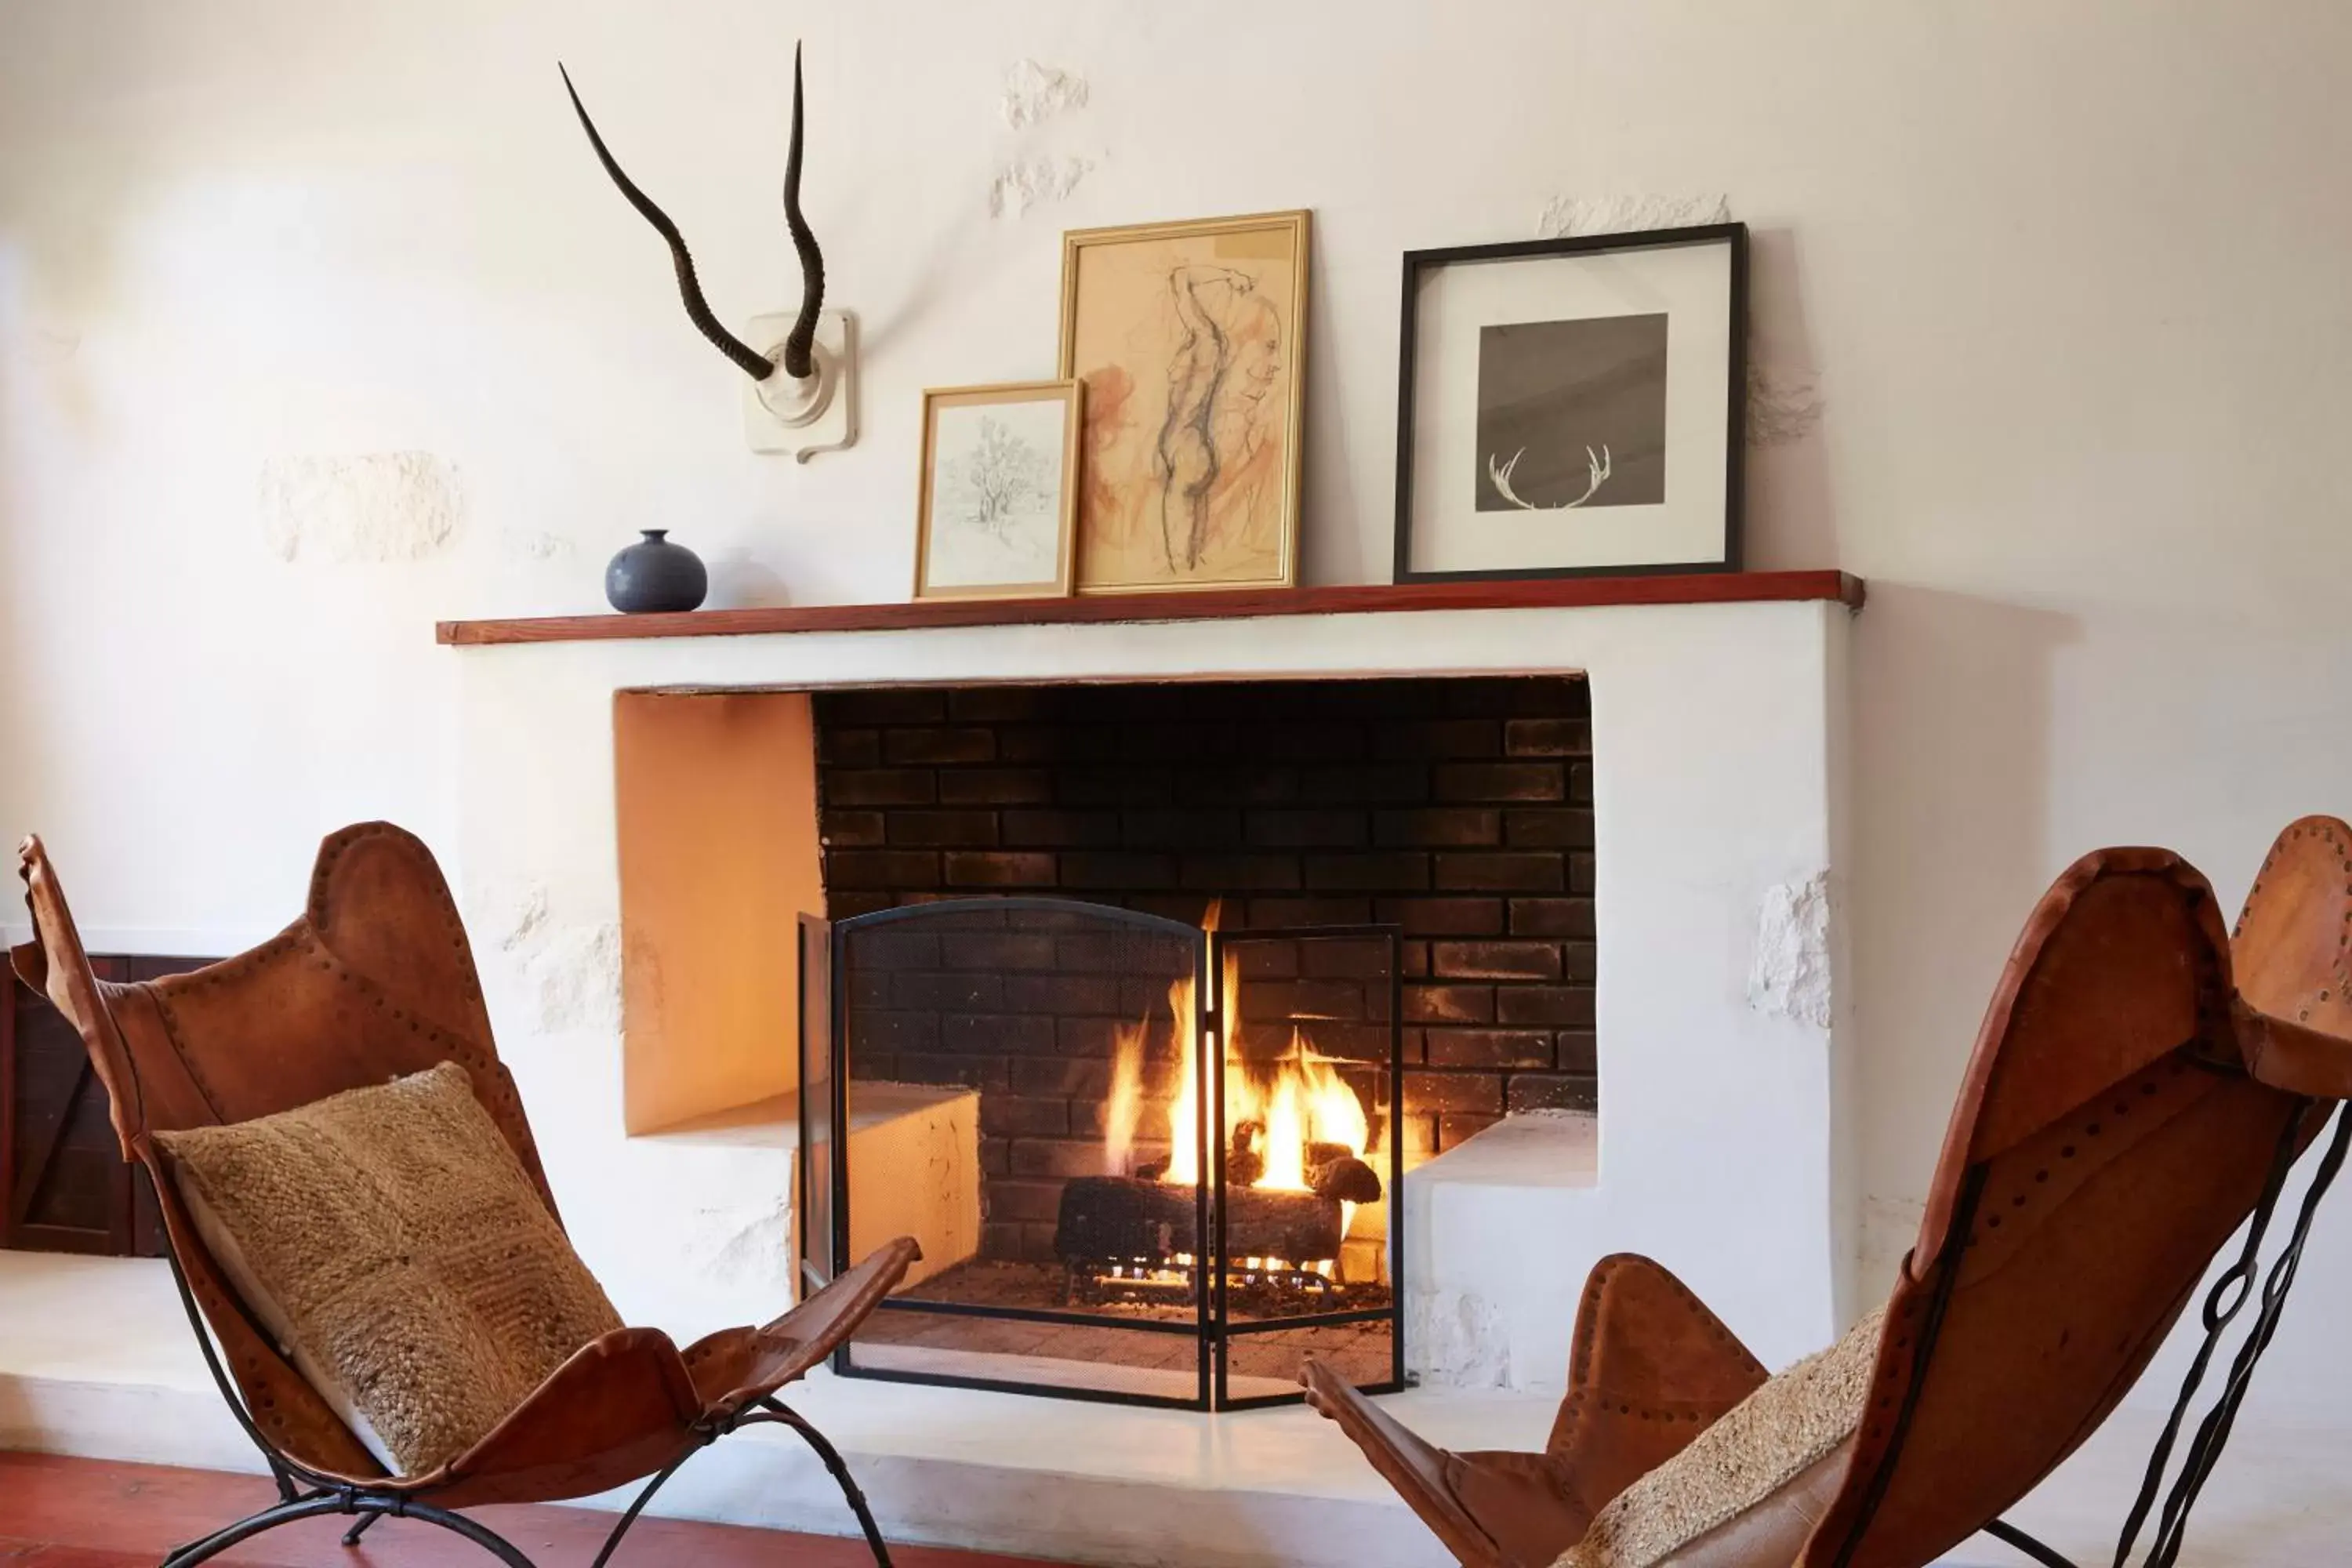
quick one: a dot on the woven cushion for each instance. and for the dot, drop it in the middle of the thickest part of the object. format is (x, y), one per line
(1759, 1445)
(391, 1242)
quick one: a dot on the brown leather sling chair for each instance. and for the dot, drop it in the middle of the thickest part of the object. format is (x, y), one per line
(2139, 1090)
(376, 980)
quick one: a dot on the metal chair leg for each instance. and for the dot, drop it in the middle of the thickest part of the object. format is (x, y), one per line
(246, 1529)
(769, 1410)
(319, 1503)
(834, 1462)
(372, 1507)
(2000, 1529)
(480, 1535)
(613, 1542)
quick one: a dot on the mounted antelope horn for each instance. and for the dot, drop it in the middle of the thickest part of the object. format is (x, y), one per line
(804, 333)
(690, 290)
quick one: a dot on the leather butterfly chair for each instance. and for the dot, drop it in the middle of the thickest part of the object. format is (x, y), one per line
(2138, 1092)
(376, 980)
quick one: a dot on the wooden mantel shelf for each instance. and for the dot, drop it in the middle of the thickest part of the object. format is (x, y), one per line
(1549, 593)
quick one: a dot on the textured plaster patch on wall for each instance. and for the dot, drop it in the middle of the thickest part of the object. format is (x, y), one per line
(372, 506)
(1784, 401)
(576, 979)
(515, 917)
(1565, 215)
(745, 1246)
(1457, 1337)
(1889, 1227)
(1020, 185)
(1784, 404)
(1790, 975)
(533, 544)
(1034, 92)
(569, 976)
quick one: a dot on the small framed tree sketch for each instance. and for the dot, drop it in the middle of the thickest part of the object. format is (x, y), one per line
(1571, 407)
(997, 514)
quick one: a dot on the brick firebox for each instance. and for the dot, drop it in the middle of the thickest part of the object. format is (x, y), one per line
(1458, 808)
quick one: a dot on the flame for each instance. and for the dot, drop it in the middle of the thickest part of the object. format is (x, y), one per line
(1305, 1101)
(1185, 1116)
(1126, 1101)
(1295, 1101)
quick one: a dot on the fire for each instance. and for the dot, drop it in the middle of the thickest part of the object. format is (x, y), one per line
(1308, 1102)
(1296, 1102)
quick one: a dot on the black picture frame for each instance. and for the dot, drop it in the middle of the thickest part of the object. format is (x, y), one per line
(1418, 262)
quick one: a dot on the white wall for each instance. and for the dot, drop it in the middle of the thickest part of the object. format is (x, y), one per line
(2067, 281)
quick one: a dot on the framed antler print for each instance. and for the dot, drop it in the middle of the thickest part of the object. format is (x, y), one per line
(1571, 407)
(1190, 338)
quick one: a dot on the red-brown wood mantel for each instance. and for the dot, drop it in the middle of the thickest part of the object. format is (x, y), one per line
(1548, 592)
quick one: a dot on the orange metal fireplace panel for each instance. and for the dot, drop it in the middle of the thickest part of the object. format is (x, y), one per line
(716, 803)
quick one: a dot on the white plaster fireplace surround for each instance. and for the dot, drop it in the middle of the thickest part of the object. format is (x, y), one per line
(1717, 745)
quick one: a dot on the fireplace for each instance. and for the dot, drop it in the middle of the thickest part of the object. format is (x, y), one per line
(1291, 937)
(1458, 809)
(641, 996)
(1217, 1216)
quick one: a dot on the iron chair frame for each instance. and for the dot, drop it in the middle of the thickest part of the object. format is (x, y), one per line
(2224, 1300)
(405, 880)
(2123, 977)
(330, 1495)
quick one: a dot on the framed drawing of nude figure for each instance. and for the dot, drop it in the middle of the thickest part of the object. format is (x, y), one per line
(1190, 339)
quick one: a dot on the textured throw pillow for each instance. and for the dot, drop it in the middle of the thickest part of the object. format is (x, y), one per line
(391, 1242)
(1768, 1439)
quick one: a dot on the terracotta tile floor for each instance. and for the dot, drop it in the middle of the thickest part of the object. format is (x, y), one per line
(86, 1513)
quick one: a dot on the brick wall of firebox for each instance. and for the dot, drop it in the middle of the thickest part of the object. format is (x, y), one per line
(1459, 809)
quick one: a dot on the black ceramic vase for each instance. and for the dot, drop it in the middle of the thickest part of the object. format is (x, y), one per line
(653, 575)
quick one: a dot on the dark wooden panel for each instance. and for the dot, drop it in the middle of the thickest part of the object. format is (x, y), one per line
(1552, 593)
(64, 1186)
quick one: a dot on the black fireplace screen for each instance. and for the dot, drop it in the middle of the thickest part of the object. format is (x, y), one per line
(1148, 1163)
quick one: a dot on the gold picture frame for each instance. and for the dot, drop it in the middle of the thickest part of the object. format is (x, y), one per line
(982, 532)
(1191, 339)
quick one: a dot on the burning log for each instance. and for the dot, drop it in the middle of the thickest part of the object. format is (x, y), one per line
(1345, 1177)
(1106, 1219)
(1332, 1169)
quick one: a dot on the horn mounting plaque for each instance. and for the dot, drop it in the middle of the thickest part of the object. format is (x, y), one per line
(781, 416)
